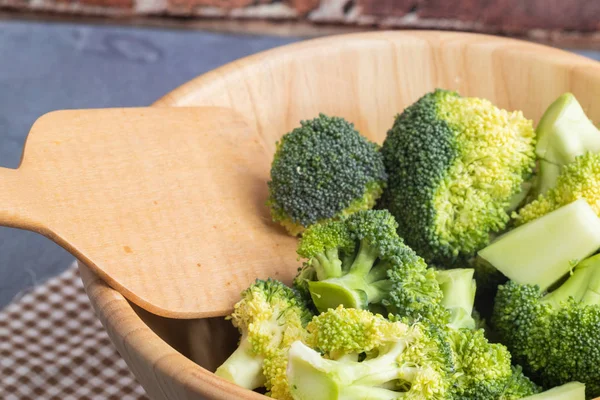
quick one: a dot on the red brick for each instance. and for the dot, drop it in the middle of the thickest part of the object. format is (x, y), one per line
(303, 7)
(386, 8)
(107, 3)
(519, 15)
(223, 4)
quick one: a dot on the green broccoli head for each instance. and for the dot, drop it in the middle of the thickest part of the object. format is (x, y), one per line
(555, 335)
(270, 316)
(349, 332)
(361, 262)
(455, 165)
(401, 361)
(578, 180)
(484, 371)
(323, 170)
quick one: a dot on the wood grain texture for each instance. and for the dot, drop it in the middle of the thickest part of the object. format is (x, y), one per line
(155, 200)
(366, 78)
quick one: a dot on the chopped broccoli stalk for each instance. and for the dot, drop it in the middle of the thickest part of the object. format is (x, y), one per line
(361, 262)
(565, 132)
(323, 170)
(458, 288)
(456, 166)
(554, 335)
(568, 391)
(548, 174)
(544, 250)
(270, 316)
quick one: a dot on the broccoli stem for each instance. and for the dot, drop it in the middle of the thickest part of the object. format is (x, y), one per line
(458, 288)
(328, 265)
(583, 285)
(366, 257)
(243, 367)
(364, 283)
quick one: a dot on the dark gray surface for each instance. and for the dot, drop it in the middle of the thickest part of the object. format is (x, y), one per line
(46, 67)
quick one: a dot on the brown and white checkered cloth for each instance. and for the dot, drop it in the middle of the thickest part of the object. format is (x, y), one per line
(52, 347)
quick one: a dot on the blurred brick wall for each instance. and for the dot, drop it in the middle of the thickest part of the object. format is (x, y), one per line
(510, 16)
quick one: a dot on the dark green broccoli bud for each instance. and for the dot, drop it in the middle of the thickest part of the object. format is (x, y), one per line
(455, 167)
(270, 316)
(361, 262)
(556, 335)
(321, 170)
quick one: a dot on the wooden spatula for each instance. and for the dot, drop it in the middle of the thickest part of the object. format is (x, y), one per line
(166, 204)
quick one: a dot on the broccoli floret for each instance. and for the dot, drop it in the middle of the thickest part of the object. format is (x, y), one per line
(361, 262)
(577, 180)
(321, 170)
(402, 361)
(349, 332)
(483, 370)
(458, 363)
(455, 167)
(270, 316)
(518, 386)
(555, 335)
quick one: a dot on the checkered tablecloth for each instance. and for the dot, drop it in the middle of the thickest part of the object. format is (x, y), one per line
(52, 347)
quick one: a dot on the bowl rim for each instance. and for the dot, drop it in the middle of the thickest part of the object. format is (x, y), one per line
(190, 374)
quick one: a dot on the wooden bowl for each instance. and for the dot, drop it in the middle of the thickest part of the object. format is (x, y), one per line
(366, 78)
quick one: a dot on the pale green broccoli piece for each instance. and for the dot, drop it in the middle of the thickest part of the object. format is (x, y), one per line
(542, 251)
(568, 391)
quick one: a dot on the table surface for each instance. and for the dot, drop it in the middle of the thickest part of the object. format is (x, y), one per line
(48, 66)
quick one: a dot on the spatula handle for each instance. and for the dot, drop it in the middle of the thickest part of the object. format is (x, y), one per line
(16, 195)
